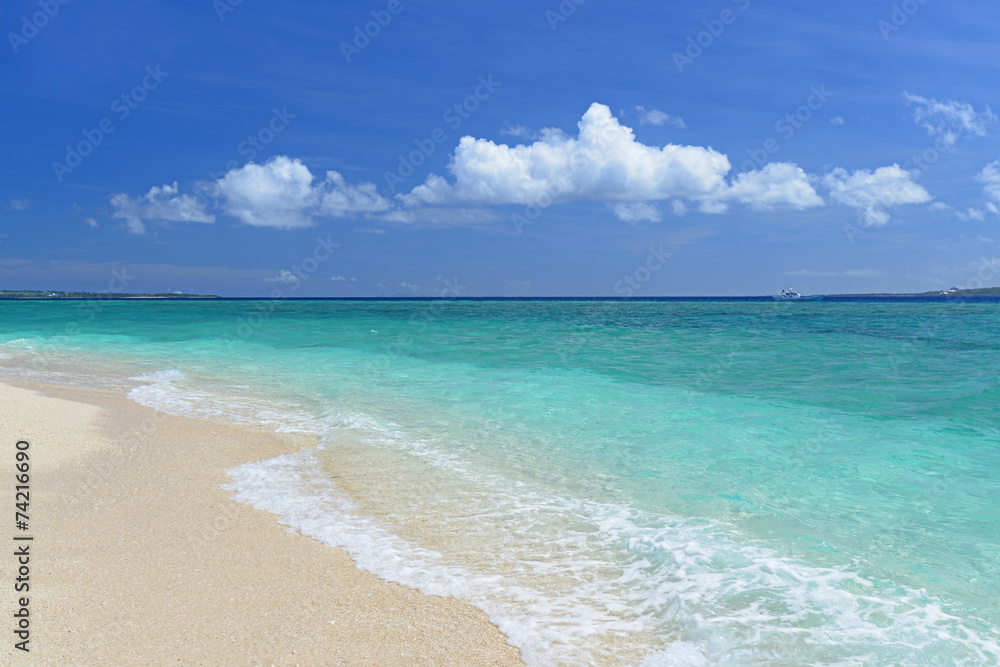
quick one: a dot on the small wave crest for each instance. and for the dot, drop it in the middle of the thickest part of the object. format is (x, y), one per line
(574, 581)
(688, 593)
(226, 404)
(168, 375)
(19, 343)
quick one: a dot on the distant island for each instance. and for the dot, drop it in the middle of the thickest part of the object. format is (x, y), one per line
(48, 294)
(953, 292)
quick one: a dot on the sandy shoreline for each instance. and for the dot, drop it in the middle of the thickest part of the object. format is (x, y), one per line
(139, 557)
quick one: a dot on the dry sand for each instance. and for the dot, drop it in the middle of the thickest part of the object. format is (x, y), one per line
(140, 558)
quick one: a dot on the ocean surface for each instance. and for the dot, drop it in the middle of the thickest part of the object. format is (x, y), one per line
(665, 483)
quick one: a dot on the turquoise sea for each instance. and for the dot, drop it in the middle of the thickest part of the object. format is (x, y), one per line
(664, 483)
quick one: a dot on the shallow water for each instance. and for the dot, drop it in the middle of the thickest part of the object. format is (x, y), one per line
(674, 483)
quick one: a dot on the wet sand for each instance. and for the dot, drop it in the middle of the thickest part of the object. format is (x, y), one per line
(140, 558)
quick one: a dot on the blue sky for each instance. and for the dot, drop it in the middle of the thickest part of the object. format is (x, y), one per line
(714, 147)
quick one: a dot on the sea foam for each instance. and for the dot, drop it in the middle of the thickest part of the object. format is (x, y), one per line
(574, 581)
(168, 375)
(615, 577)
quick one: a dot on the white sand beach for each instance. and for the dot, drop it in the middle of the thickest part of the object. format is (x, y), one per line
(139, 557)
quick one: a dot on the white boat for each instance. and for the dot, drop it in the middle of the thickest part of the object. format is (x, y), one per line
(788, 294)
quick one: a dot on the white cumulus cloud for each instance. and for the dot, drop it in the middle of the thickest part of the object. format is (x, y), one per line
(872, 192)
(285, 276)
(338, 198)
(949, 119)
(603, 163)
(283, 193)
(160, 203)
(276, 194)
(636, 212)
(657, 117)
(777, 184)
